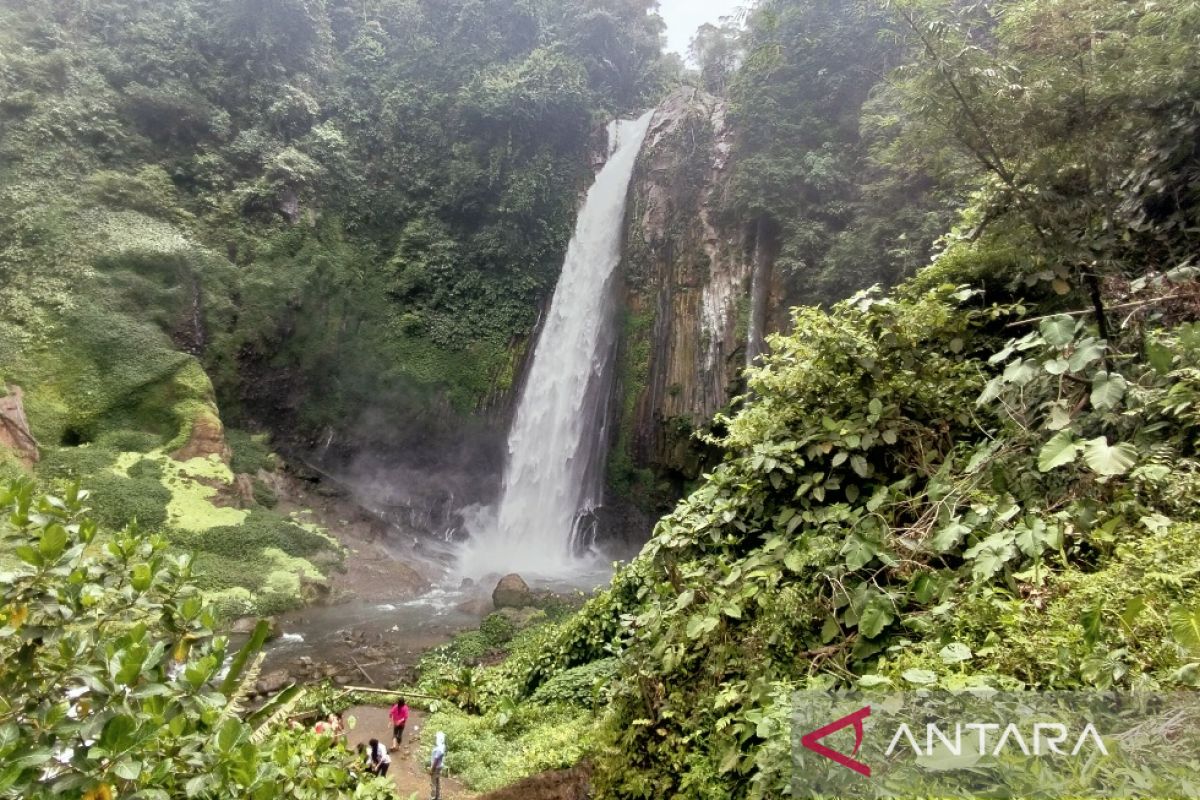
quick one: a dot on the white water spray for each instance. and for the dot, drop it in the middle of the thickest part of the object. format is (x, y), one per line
(556, 447)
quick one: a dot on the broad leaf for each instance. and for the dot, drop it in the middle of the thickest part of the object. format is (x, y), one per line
(1185, 627)
(858, 551)
(1093, 623)
(1108, 389)
(1116, 459)
(1056, 366)
(948, 537)
(1089, 352)
(955, 653)
(1161, 358)
(992, 554)
(1058, 331)
(1035, 537)
(1060, 417)
(1062, 449)
(873, 681)
(875, 617)
(1020, 372)
(919, 677)
(238, 665)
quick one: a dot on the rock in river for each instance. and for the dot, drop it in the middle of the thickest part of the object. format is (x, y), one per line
(512, 592)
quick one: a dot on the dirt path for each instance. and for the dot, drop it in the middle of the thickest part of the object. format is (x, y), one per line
(408, 768)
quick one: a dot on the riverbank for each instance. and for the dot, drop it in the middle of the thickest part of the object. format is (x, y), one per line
(389, 603)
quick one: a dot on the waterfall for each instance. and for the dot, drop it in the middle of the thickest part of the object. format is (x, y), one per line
(553, 481)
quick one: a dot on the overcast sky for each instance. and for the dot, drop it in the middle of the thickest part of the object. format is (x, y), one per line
(683, 17)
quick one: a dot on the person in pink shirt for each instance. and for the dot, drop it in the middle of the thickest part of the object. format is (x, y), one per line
(399, 715)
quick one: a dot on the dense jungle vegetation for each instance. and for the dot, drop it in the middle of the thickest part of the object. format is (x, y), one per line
(987, 475)
(296, 212)
(309, 197)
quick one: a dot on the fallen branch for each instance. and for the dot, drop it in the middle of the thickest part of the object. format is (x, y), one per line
(1082, 312)
(359, 667)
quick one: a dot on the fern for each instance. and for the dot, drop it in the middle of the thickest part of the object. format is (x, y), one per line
(286, 702)
(245, 688)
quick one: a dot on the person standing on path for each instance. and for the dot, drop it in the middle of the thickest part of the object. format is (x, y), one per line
(399, 715)
(436, 760)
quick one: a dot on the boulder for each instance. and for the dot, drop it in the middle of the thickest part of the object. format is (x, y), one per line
(314, 590)
(272, 682)
(245, 626)
(512, 592)
(14, 427)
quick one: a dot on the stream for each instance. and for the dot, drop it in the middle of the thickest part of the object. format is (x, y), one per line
(367, 642)
(373, 643)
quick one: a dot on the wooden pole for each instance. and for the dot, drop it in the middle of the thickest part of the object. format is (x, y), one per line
(393, 692)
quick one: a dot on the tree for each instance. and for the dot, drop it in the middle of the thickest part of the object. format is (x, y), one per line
(1073, 113)
(112, 683)
(717, 52)
(796, 102)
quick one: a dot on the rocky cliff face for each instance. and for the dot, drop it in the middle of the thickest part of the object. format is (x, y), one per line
(688, 301)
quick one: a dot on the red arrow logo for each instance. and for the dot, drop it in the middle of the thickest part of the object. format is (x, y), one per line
(813, 739)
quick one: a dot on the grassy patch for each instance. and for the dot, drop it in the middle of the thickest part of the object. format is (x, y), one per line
(487, 755)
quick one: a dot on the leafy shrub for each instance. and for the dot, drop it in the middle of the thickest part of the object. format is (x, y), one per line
(497, 629)
(579, 686)
(118, 500)
(487, 755)
(469, 648)
(273, 582)
(264, 495)
(158, 726)
(75, 462)
(250, 453)
(149, 191)
(261, 529)
(147, 469)
(10, 468)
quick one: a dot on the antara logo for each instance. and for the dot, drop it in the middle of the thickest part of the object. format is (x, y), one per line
(812, 740)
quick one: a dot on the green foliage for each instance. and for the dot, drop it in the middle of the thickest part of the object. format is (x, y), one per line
(118, 499)
(583, 686)
(909, 498)
(487, 755)
(813, 172)
(152, 698)
(497, 629)
(1069, 136)
(75, 462)
(129, 441)
(146, 469)
(249, 453)
(313, 197)
(264, 495)
(469, 648)
(260, 530)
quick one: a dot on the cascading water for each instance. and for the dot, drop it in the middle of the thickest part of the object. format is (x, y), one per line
(556, 447)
